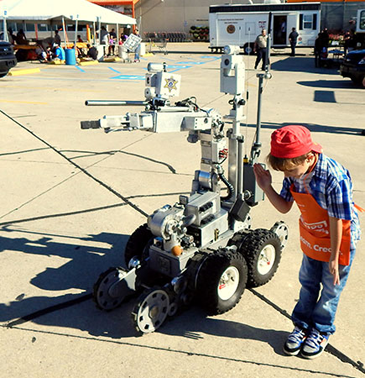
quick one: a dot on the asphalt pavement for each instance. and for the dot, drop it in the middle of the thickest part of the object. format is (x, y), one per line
(70, 199)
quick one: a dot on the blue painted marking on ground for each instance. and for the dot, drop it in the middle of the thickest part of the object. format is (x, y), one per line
(178, 66)
(80, 69)
(191, 63)
(129, 77)
(210, 57)
(111, 68)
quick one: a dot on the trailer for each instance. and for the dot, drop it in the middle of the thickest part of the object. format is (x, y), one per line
(240, 24)
(360, 29)
(360, 21)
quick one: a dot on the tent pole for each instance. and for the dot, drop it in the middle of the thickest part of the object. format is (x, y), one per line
(5, 33)
(99, 20)
(64, 31)
(76, 24)
(134, 14)
(88, 35)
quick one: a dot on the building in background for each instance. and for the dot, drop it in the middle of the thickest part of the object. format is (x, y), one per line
(191, 17)
(338, 14)
(166, 16)
(126, 7)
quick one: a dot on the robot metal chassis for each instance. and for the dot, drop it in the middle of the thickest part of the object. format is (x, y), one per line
(202, 247)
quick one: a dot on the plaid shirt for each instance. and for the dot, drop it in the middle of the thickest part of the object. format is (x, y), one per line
(331, 186)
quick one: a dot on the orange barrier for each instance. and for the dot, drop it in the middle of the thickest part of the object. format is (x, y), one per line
(80, 45)
(24, 47)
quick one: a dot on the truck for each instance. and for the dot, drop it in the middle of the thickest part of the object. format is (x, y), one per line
(240, 24)
(353, 64)
(7, 57)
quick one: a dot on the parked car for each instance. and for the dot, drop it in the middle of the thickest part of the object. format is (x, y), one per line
(7, 58)
(353, 66)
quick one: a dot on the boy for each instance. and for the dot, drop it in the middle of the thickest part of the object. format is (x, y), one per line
(329, 229)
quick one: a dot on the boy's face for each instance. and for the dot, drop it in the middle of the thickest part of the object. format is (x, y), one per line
(297, 171)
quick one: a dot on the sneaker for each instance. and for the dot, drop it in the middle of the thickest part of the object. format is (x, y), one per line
(314, 345)
(294, 341)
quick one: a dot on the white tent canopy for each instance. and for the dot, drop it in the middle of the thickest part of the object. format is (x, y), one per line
(52, 10)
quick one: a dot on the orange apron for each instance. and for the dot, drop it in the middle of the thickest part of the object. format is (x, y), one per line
(314, 229)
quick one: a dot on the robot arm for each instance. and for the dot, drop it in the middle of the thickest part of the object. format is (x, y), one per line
(159, 115)
(206, 126)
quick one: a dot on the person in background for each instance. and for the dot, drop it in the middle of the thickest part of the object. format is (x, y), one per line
(49, 53)
(79, 39)
(92, 52)
(112, 42)
(320, 49)
(138, 49)
(260, 48)
(326, 36)
(317, 51)
(41, 54)
(59, 52)
(349, 41)
(12, 36)
(57, 38)
(123, 38)
(21, 39)
(104, 38)
(293, 38)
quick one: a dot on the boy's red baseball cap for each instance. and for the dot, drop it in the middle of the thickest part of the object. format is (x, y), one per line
(292, 141)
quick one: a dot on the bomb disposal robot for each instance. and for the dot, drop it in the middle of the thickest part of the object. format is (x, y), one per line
(203, 246)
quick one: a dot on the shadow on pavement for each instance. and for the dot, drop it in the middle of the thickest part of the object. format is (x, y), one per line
(315, 128)
(193, 324)
(333, 84)
(86, 259)
(78, 312)
(301, 64)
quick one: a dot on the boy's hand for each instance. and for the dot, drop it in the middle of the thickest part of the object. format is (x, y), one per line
(263, 176)
(333, 268)
(336, 237)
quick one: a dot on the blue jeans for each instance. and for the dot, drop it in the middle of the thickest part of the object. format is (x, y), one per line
(316, 309)
(136, 53)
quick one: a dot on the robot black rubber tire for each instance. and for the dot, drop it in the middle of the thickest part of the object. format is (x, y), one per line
(151, 310)
(101, 287)
(262, 251)
(137, 243)
(221, 281)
